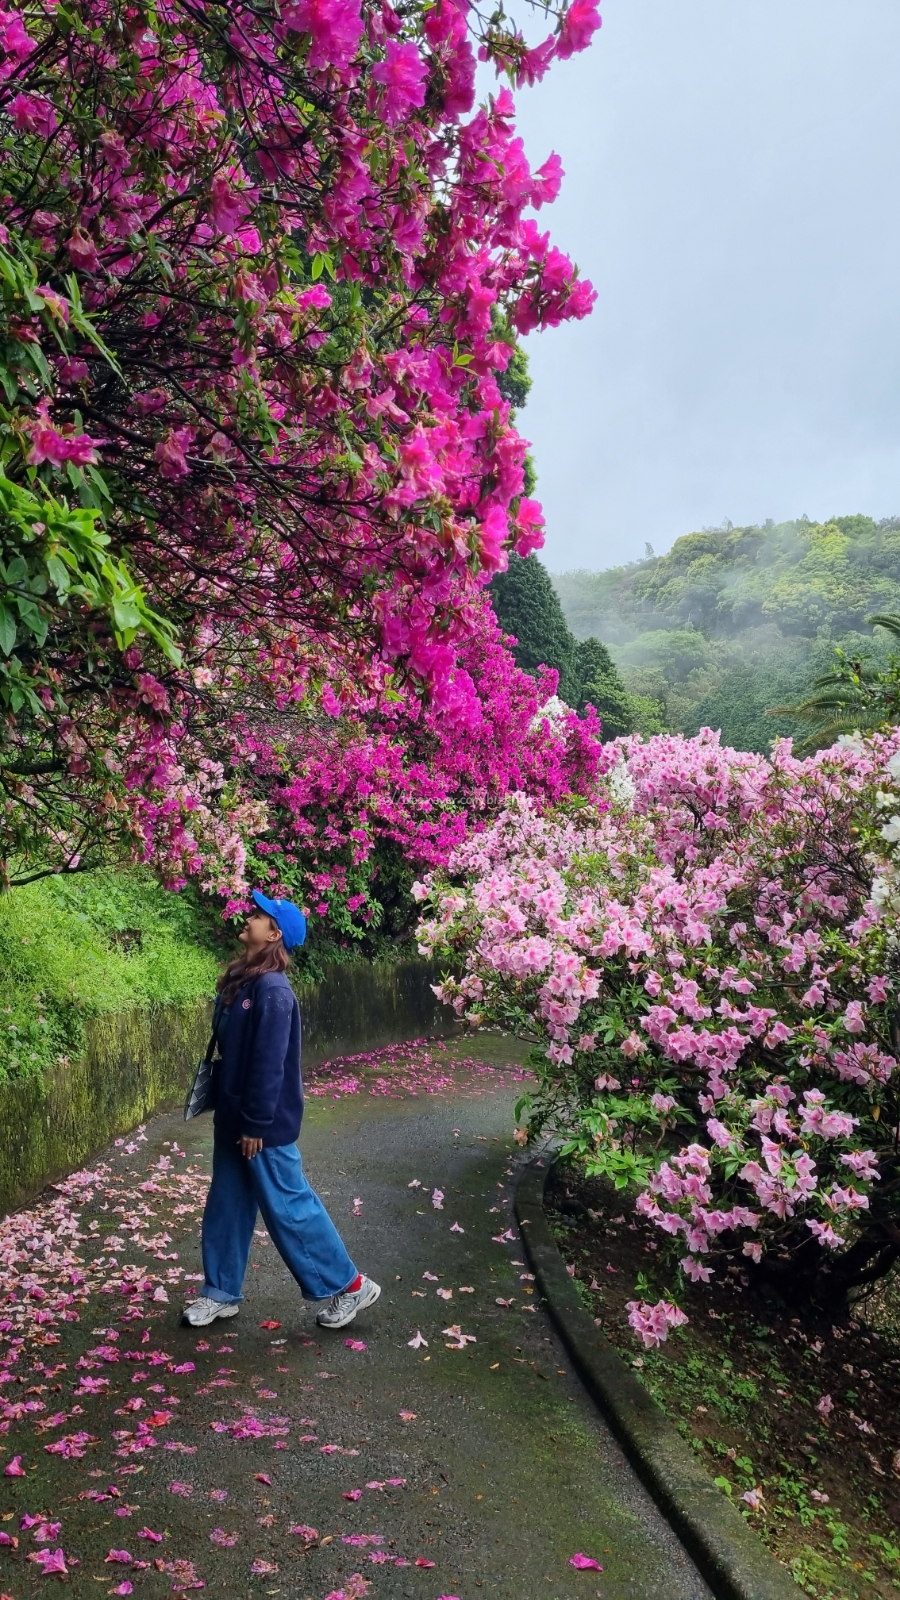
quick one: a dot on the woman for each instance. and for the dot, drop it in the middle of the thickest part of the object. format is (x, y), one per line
(258, 1097)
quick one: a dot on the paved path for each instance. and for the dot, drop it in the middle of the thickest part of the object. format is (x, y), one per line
(506, 1468)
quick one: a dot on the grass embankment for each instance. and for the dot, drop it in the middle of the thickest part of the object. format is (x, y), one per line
(81, 947)
(741, 1382)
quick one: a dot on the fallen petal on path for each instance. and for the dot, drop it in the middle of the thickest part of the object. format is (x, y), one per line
(50, 1562)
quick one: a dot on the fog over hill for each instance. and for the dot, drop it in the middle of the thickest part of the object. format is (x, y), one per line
(733, 620)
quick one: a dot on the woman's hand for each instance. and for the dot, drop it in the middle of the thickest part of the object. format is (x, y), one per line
(250, 1147)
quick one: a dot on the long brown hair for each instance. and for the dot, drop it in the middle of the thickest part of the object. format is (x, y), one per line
(273, 959)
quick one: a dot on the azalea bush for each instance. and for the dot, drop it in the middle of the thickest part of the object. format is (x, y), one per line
(263, 270)
(705, 955)
(362, 795)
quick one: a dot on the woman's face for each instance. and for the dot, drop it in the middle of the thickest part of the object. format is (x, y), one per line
(258, 931)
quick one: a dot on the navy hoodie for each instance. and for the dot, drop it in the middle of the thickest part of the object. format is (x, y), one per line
(258, 1088)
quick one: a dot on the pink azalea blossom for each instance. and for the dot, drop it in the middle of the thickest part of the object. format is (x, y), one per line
(170, 454)
(580, 23)
(31, 113)
(82, 250)
(403, 74)
(335, 27)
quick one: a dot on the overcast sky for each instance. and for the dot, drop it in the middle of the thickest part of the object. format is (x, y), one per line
(731, 190)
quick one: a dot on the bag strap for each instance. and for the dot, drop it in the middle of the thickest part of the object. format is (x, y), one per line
(213, 1038)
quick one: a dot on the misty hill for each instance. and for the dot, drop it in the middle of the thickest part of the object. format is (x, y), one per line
(735, 620)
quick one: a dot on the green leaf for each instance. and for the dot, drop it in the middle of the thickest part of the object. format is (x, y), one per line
(32, 618)
(127, 620)
(7, 630)
(58, 575)
(10, 383)
(34, 354)
(100, 484)
(17, 571)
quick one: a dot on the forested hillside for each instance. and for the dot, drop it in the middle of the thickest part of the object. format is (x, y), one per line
(528, 610)
(736, 620)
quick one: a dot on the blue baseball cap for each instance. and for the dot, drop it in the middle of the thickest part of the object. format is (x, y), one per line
(289, 917)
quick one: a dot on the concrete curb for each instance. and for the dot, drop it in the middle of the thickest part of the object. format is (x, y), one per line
(734, 1562)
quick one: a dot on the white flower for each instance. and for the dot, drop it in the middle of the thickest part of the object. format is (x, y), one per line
(852, 741)
(554, 712)
(621, 786)
(893, 767)
(891, 830)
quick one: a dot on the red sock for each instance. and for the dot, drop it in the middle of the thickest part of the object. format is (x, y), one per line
(356, 1284)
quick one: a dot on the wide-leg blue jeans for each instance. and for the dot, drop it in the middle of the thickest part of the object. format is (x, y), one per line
(299, 1226)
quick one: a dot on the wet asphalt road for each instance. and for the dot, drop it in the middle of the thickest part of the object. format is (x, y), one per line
(508, 1468)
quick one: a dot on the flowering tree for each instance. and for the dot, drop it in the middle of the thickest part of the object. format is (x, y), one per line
(257, 262)
(706, 957)
(361, 796)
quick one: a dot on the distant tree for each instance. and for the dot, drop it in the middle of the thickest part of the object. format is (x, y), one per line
(648, 714)
(527, 606)
(601, 687)
(740, 707)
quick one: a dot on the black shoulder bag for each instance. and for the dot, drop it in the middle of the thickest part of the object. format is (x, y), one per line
(200, 1094)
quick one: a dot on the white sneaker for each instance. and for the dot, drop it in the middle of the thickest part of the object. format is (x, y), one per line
(342, 1308)
(200, 1313)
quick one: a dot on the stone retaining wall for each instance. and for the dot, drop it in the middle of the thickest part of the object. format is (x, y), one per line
(138, 1061)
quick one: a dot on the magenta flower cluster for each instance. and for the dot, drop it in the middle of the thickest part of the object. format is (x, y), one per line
(268, 269)
(419, 776)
